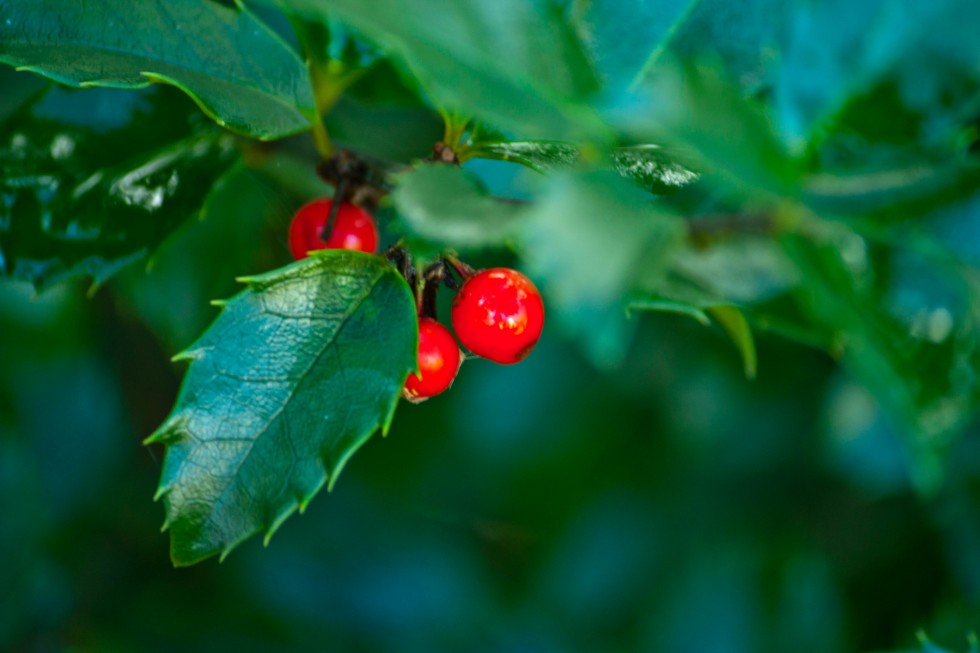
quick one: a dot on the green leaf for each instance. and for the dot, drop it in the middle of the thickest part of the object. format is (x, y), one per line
(728, 137)
(890, 193)
(237, 70)
(585, 240)
(648, 165)
(741, 269)
(627, 36)
(91, 181)
(689, 301)
(292, 378)
(656, 304)
(837, 49)
(733, 321)
(446, 206)
(243, 214)
(744, 39)
(918, 366)
(516, 64)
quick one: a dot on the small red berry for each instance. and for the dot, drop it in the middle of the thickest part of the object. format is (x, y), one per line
(498, 314)
(439, 361)
(354, 229)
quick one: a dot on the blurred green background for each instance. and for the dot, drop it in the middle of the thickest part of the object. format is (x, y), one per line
(667, 505)
(664, 504)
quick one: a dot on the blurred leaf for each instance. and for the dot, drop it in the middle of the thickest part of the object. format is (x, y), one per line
(657, 304)
(920, 374)
(290, 380)
(647, 165)
(207, 49)
(836, 50)
(200, 260)
(86, 197)
(703, 308)
(733, 321)
(744, 39)
(731, 138)
(445, 205)
(518, 65)
(585, 240)
(740, 269)
(393, 132)
(896, 192)
(626, 37)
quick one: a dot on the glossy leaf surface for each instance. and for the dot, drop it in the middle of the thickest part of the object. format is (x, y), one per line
(94, 180)
(445, 205)
(647, 165)
(292, 378)
(519, 65)
(206, 48)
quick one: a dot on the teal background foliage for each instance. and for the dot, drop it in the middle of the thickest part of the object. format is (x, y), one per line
(751, 423)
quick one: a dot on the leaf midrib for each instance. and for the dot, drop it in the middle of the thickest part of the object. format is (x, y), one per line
(285, 404)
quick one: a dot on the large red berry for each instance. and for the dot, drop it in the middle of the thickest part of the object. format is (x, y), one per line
(439, 360)
(354, 229)
(498, 314)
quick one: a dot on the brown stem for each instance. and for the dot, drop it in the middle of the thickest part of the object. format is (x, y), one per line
(462, 269)
(705, 228)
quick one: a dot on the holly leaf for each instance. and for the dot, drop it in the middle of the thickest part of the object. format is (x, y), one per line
(586, 239)
(447, 206)
(291, 379)
(205, 48)
(92, 181)
(647, 165)
(516, 64)
(686, 300)
(626, 37)
(737, 148)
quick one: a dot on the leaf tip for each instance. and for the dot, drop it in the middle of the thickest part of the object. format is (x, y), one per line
(170, 432)
(187, 355)
(278, 521)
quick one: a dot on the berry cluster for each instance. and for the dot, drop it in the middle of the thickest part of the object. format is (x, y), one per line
(497, 313)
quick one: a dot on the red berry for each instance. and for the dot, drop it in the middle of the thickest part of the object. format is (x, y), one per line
(354, 229)
(498, 314)
(439, 360)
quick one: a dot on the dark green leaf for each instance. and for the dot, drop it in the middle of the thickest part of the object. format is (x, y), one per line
(744, 39)
(733, 321)
(916, 365)
(447, 206)
(656, 304)
(740, 269)
(292, 378)
(243, 214)
(93, 180)
(391, 132)
(647, 165)
(516, 64)
(627, 36)
(729, 137)
(235, 68)
(684, 299)
(896, 192)
(837, 50)
(585, 240)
